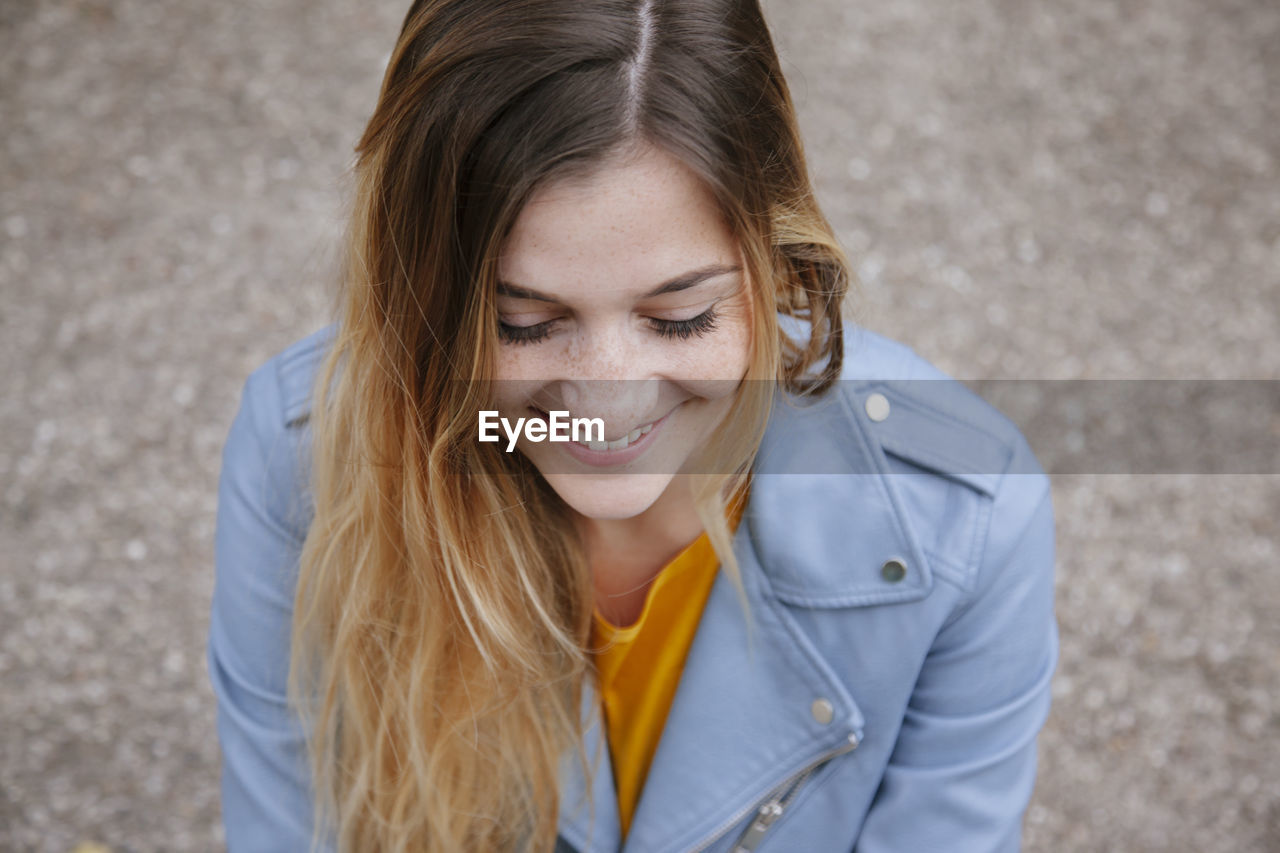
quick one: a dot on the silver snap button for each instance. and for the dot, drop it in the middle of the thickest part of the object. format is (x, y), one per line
(877, 407)
(822, 711)
(893, 571)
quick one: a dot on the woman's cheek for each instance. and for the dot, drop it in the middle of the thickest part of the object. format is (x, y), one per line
(522, 362)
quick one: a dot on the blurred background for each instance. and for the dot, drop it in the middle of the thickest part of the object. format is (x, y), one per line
(1037, 190)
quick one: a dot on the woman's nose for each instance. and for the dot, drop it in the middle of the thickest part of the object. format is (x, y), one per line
(623, 405)
(615, 378)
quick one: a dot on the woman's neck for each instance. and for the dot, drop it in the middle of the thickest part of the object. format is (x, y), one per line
(626, 554)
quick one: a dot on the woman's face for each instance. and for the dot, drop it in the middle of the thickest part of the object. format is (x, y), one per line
(623, 298)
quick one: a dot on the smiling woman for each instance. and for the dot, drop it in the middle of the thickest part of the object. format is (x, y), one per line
(673, 636)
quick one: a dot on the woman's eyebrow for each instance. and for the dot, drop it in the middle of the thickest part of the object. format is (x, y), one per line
(681, 282)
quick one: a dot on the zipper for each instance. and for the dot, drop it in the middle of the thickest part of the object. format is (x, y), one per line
(775, 803)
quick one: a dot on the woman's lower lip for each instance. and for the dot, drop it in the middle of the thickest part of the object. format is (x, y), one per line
(609, 458)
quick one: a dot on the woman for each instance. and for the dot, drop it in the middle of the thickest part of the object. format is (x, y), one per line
(426, 638)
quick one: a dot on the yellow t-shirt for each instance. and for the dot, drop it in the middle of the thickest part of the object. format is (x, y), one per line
(640, 664)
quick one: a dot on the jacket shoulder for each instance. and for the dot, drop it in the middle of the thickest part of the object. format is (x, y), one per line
(282, 385)
(898, 474)
(920, 415)
(276, 404)
(962, 472)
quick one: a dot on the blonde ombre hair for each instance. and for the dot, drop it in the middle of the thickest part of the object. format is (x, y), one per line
(443, 603)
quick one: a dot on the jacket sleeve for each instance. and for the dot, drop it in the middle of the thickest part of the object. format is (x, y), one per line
(265, 777)
(963, 768)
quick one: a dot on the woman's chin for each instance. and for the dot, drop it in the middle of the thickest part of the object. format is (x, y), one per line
(609, 497)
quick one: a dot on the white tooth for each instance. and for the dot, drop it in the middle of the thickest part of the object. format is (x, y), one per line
(618, 444)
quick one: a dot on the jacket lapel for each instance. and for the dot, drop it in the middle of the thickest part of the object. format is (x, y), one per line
(742, 722)
(603, 831)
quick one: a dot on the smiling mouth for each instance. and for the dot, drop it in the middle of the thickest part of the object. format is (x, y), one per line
(606, 446)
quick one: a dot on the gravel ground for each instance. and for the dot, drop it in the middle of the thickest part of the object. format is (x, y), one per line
(1030, 190)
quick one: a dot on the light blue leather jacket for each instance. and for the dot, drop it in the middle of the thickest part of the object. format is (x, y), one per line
(898, 553)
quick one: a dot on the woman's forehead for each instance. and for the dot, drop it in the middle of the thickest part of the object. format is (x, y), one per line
(629, 227)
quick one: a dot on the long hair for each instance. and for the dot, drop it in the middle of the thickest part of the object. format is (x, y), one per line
(444, 599)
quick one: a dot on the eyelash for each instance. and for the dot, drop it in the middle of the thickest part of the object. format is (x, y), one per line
(670, 329)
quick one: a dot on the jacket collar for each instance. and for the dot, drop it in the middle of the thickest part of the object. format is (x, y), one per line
(820, 522)
(828, 515)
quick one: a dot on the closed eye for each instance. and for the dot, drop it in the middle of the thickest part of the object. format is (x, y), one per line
(670, 329)
(699, 325)
(524, 334)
